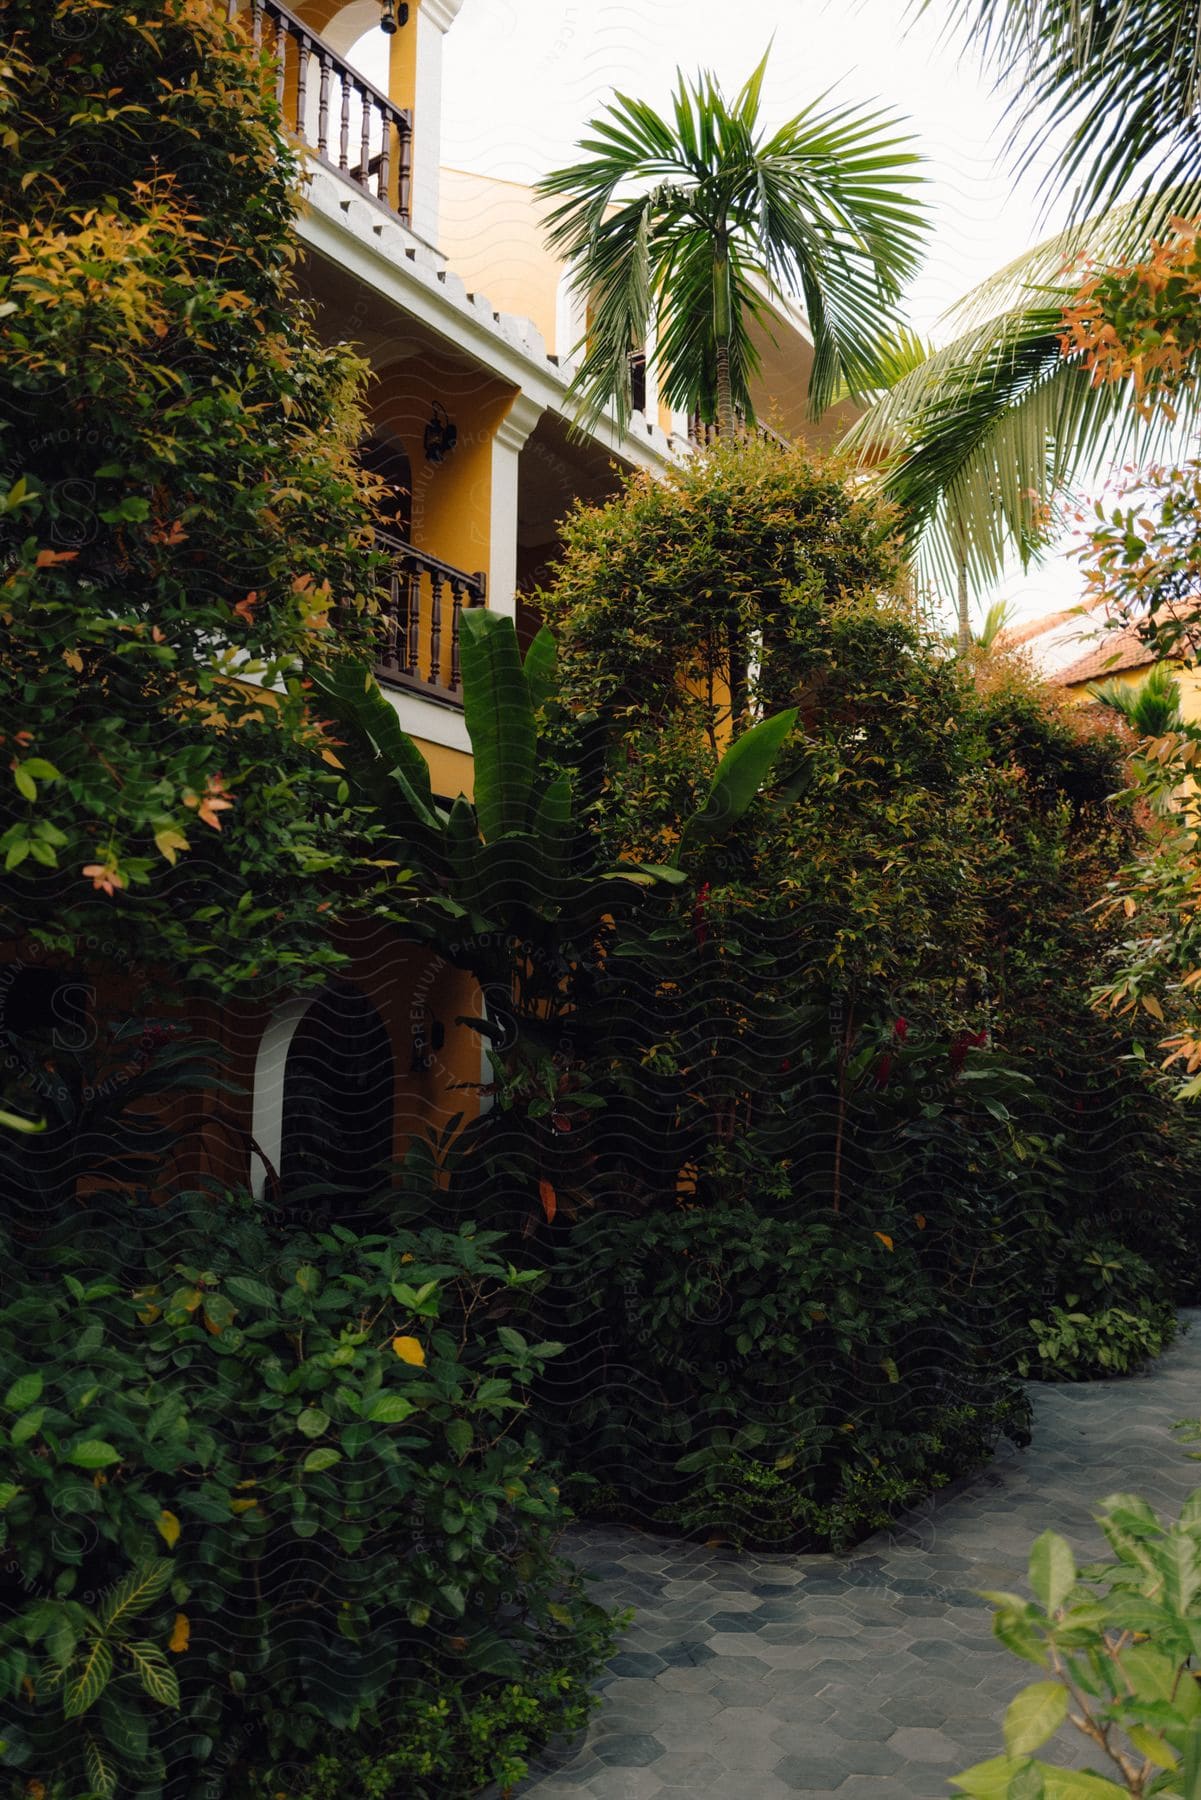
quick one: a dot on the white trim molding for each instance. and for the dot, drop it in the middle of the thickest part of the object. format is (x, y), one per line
(270, 1064)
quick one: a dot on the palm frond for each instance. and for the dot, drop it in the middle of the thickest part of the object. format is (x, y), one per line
(1151, 709)
(979, 440)
(996, 620)
(1120, 80)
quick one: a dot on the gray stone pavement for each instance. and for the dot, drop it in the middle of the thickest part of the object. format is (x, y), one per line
(873, 1676)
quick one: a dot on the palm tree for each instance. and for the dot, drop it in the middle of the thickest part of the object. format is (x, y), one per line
(701, 221)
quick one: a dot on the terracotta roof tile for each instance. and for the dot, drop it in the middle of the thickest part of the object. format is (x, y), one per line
(1114, 652)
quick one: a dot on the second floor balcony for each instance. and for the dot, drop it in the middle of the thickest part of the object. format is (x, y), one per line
(341, 118)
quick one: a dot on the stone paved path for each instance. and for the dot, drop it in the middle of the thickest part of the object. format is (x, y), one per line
(872, 1676)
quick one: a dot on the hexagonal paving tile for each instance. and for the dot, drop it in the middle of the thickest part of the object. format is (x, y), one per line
(629, 1749)
(876, 1677)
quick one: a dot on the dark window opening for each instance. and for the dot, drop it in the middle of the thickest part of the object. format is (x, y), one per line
(338, 1096)
(638, 381)
(386, 459)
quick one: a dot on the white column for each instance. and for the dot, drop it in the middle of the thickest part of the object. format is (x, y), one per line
(507, 443)
(652, 372)
(432, 19)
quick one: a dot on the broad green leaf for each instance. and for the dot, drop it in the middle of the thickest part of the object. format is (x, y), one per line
(499, 720)
(23, 1392)
(28, 1425)
(552, 826)
(101, 1767)
(1077, 1784)
(1149, 1744)
(325, 1458)
(92, 1453)
(358, 705)
(1018, 1635)
(154, 1672)
(740, 774)
(988, 1780)
(1151, 1674)
(1190, 1772)
(1052, 1569)
(249, 1292)
(541, 667)
(459, 1436)
(388, 1409)
(1034, 1715)
(87, 1680)
(134, 1593)
(312, 1421)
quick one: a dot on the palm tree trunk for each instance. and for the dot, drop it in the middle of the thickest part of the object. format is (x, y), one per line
(965, 622)
(724, 395)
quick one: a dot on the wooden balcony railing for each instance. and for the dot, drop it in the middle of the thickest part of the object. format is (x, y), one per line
(342, 120)
(419, 629)
(702, 434)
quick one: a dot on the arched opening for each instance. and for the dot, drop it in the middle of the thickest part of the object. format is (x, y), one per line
(325, 1093)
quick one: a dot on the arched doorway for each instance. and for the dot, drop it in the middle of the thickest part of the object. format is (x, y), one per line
(338, 1095)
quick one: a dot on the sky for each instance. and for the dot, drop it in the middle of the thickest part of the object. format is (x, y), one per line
(521, 77)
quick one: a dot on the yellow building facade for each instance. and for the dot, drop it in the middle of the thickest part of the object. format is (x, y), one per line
(441, 279)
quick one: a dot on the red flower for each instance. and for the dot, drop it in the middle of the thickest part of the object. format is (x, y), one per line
(962, 1042)
(884, 1069)
(700, 929)
(900, 1030)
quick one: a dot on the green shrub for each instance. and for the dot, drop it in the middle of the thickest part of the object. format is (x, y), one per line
(1116, 1642)
(1109, 1312)
(313, 1459)
(451, 1747)
(1080, 1346)
(783, 1381)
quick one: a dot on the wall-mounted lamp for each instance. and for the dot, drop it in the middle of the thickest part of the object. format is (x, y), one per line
(440, 435)
(388, 20)
(425, 1046)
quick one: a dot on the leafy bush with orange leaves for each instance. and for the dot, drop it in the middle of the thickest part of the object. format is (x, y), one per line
(180, 513)
(1141, 321)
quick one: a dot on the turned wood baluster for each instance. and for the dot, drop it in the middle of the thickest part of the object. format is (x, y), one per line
(436, 629)
(404, 168)
(456, 595)
(231, 9)
(385, 641)
(323, 107)
(413, 618)
(302, 88)
(256, 22)
(365, 139)
(344, 141)
(385, 160)
(281, 57)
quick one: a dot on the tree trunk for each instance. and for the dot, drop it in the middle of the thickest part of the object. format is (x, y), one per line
(726, 424)
(965, 623)
(722, 324)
